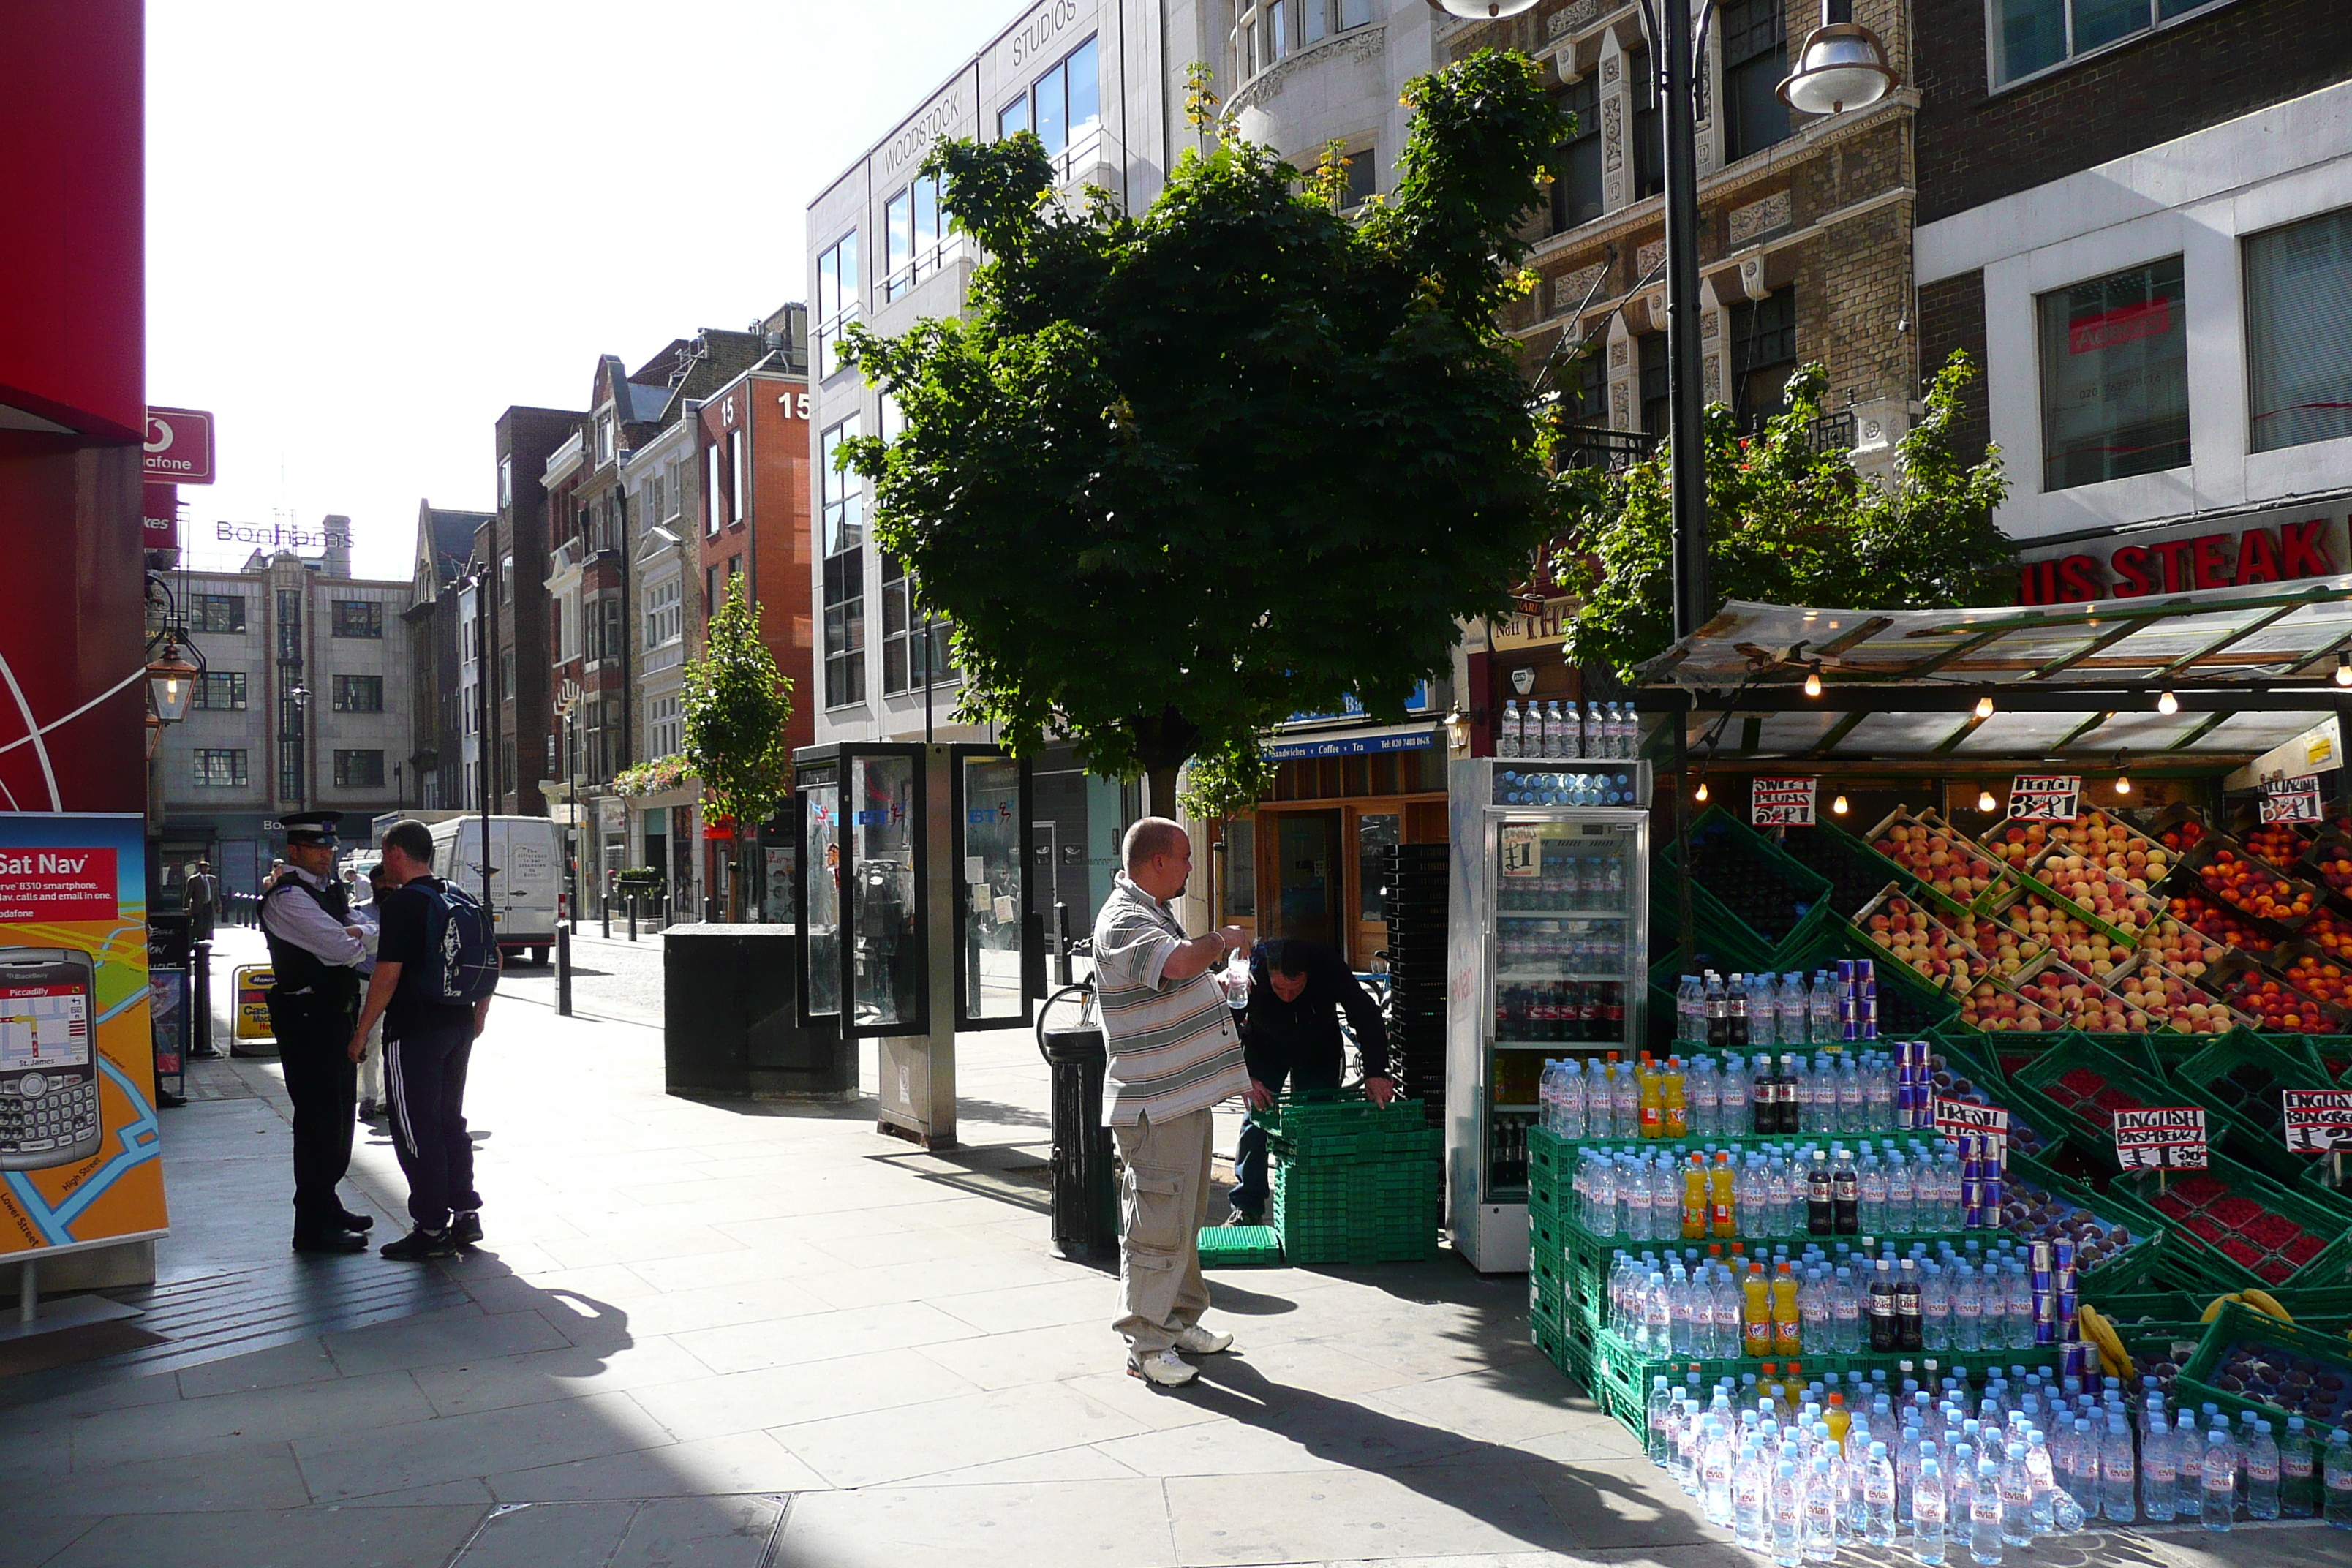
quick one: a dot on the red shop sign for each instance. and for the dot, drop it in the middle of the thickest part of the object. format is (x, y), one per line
(2176, 561)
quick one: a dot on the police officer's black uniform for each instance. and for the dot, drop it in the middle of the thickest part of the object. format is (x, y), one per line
(313, 1008)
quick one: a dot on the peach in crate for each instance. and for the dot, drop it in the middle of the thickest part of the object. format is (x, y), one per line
(1914, 938)
(2018, 843)
(2117, 849)
(2226, 926)
(2321, 977)
(2078, 1000)
(2085, 883)
(1946, 860)
(2179, 949)
(2276, 1005)
(1998, 1010)
(2253, 887)
(2005, 949)
(2170, 1003)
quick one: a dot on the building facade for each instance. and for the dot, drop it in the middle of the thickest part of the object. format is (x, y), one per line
(2139, 216)
(306, 704)
(437, 756)
(515, 731)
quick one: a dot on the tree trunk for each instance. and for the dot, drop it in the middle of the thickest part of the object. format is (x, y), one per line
(1160, 793)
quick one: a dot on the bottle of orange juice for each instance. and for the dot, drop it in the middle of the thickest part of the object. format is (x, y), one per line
(1695, 1200)
(1721, 1219)
(1672, 1090)
(1839, 1419)
(1755, 1312)
(1653, 1099)
(1787, 1321)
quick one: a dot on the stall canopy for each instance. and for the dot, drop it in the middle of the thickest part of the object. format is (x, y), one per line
(2243, 671)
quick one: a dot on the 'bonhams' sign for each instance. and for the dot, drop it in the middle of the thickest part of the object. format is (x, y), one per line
(2280, 545)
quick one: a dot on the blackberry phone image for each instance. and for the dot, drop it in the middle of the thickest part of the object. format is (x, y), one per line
(48, 1058)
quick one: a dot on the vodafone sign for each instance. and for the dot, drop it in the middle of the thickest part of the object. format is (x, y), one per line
(179, 446)
(2280, 545)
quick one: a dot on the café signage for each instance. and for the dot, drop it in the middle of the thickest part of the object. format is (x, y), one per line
(2283, 544)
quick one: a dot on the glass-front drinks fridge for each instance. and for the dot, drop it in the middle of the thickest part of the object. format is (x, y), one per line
(1547, 957)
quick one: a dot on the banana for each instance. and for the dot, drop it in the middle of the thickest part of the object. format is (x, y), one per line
(2263, 1301)
(2099, 1332)
(2213, 1308)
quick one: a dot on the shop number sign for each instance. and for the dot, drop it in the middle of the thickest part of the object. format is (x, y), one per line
(2046, 797)
(2291, 800)
(1966, 1119)
(2318, 1120)
(2161, 1138)
(1783, 803)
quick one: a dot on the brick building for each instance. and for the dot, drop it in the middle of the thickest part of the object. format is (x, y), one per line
(444, 554)
(2139, 219)
(512, 737)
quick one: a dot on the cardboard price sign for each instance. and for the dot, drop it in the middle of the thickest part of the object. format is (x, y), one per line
(1783, 803)
(2045, 798)
(1522, 852)
(1966, 1118)
(2318, 1120)
(2161, 1138)
(2291, 800)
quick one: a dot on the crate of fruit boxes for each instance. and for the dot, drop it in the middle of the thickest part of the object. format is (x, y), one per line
(2223, 869)
(1948, 864)
(1921, 938)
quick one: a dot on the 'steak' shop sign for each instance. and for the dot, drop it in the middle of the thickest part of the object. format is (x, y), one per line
(2280, 544)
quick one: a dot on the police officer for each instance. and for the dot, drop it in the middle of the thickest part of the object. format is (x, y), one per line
(315, 951)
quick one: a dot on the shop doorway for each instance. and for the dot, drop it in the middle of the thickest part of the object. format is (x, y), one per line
(1309, 881)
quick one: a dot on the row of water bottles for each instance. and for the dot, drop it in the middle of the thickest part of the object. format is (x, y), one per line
(1601, 731)
(1774, 1191)
(1834, 1302)
(1705, 1096)
(1797, 1475)
(1749, 1011)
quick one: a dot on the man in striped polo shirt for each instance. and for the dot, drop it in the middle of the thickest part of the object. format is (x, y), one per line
(1174, 1053)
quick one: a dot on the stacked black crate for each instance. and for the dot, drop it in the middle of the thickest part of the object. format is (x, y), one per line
(1414, 903)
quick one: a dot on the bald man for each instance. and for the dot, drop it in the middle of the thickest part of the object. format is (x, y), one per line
(1174, 1053)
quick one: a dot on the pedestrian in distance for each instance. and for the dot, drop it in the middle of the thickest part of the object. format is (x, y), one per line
(1173, 1054)
(436, 968)
(368, 916)
(200, 896)
(1290, 1032)
(315, 951)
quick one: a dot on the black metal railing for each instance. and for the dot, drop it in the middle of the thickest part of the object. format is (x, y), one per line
(1833, 432)
(1597, 446)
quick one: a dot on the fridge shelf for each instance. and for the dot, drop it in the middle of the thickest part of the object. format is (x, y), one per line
(1562, 914)
(1559, 1045)
(1539, 971)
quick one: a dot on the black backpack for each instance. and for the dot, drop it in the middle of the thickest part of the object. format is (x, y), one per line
(464, 965)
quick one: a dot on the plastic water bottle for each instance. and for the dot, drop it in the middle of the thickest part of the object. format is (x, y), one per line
(1788, 1516)
(1662, 1401)
(1796, 1010)
(1878, 1498)
(2337, 1469)
(1928, 1514)
(1821, 1505)
(2298, 1497)
(2119, 1476)
(2220, 1476)
(2158, 1470)
(2262, 1474)
(1984, 1516)
(1715, 1473)
(1702, 1093)
(1751, 1495)
(2016, 1496)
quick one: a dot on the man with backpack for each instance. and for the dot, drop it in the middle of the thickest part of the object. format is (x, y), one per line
(436, 967)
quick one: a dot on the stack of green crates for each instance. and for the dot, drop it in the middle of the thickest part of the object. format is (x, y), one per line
(1353, 1183)
(1240, 1247)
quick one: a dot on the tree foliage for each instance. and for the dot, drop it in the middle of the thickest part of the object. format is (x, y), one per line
(1788, 525)
(1182, 474)
(736, 705)
(1226, 782)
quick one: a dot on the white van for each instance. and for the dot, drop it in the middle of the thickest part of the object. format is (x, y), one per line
(525, 874)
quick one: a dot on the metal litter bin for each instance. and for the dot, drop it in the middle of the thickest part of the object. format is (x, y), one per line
(1085, 1192)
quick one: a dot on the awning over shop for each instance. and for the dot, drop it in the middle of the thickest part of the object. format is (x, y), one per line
(2228, 672)
(1353, 742)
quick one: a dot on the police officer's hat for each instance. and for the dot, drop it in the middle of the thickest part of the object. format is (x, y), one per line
(316, 827)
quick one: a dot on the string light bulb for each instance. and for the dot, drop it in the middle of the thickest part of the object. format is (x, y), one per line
(2167, 703)
(1813, 678)
(1699, 795)
(2122, 773)
(1985, 801)
(2343, 669)
(1838, 806)
(1984, 706)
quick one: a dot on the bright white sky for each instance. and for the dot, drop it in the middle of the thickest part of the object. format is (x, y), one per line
(372, 226)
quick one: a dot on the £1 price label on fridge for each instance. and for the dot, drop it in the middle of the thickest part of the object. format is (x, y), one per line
(1522, 852)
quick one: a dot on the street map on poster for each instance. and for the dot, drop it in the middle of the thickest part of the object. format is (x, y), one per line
(79, 1148)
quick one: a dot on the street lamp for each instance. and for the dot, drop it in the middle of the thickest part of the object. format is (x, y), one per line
(171, 681)
(1483, 10)
(1842, 65)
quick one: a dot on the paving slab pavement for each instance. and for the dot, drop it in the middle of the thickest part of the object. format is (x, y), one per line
(739, 1335)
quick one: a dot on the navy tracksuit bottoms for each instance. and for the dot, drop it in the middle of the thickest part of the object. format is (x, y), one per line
(424, 1084)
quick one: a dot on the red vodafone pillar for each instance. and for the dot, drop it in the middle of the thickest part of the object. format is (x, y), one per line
(72, 409)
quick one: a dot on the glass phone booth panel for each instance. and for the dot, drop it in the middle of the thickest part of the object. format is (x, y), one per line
(991, 882)
(883, 804)
(820, 870)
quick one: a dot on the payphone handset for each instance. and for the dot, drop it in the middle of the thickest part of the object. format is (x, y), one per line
(48, 1058)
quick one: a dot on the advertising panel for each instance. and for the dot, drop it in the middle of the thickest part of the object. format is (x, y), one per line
(79, 1148)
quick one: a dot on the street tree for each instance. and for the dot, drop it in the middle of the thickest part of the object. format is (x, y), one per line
(1182, 474)
(1787, 525)
(735, 707)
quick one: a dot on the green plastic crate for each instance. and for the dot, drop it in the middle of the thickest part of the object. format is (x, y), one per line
(1240, 1247)
(2323, 1309)
(1856, 873)
(1797, 895)
(1908, 1007)
(2238, 1060)
(2238, 1323)
(2323, 1215)
(2225, 1128)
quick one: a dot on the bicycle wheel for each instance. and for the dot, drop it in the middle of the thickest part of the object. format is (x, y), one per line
(1071, 1007)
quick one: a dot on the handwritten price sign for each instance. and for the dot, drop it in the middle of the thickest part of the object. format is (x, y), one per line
(1783, 803)
(2161, 1137)
(1966, 1119)
(2045, 798)
(2318, 1120)
(2291, 800)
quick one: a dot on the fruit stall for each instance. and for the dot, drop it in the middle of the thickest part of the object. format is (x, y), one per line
(2094, 862)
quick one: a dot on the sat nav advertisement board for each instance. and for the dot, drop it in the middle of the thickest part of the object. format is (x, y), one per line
(79, 1148)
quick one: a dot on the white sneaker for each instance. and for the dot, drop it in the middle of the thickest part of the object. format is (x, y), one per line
(1198, 1340)
(1164, 1369)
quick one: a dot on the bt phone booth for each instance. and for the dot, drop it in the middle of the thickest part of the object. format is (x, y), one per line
(1547, 957)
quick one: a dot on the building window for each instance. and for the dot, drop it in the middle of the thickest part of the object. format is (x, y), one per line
(1064, 106)
(1585, 388)
(217, 612)
(604, 439)
(916, 235)
(1576, 168)
(506, 580)
(662, 613)
(844, 629)
(714, 464)
(741, 510)
(220, 689)
(220, 767)
(2024, 37)
(506, 675)
(1655, 398)
(358, 618)
(1649, 129)
(903, 640)
(2299, 333)
(289, 771)
(359, 694)
(842, 490)
(1763, 355)
(2115, 378)
(668, 726)
(839, 294)
(1355, 14)
(1241, 868)
(1363, 178)
(359, 770)
(506, 481)
(289, 625)
(1755, 61)
(709, 595)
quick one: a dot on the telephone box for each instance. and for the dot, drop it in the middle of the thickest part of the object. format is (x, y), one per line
(914, 866)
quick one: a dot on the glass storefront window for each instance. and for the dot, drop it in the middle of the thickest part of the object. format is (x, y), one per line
(1374, 832)
(2114, 376)
(1241, 869)
(821, 900)
(2299, 333)
(991, 876)
(888, 967)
